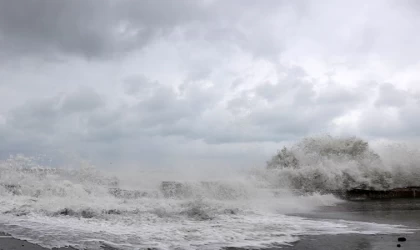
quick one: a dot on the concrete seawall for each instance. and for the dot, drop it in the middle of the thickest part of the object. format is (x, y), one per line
(364, 194)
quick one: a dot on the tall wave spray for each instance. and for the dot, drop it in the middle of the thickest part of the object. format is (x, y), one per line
(87, 208)
(327, 163)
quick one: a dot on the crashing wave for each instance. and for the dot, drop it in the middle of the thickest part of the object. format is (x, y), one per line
(322, 164)
(86, 208)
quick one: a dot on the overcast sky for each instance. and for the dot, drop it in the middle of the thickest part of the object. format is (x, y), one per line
(212, 82)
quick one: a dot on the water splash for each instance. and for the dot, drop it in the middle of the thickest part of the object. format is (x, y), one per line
(326, 163)
(86, 208)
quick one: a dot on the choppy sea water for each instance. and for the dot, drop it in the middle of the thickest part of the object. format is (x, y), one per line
(86, 208)
(82, 209)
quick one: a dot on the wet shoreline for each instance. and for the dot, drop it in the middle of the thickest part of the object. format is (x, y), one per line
(404, 212)
(317, 242)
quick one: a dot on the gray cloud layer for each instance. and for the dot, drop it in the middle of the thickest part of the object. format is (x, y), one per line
(167, 81)
(90, 28)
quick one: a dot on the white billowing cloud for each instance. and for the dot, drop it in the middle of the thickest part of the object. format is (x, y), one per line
(204, 82)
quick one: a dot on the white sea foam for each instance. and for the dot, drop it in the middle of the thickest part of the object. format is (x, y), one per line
(328, 163)
(85, 208)
(151, 231)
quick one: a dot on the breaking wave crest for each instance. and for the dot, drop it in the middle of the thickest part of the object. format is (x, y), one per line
(326, 163)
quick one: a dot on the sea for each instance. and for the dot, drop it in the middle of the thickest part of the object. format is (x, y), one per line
(86, 207)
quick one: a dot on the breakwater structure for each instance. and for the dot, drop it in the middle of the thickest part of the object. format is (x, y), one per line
(367, 194)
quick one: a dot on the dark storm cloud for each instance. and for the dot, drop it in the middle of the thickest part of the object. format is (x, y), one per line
(91, 28)
(97, 29)
(80, 27)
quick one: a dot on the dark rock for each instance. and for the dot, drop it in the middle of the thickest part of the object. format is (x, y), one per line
(70, 212)
(398, 245)
(21, 214)
(231, 211)
(87, 214)
(112, 211)
(402, 239)
(66, 212)
(369, 194)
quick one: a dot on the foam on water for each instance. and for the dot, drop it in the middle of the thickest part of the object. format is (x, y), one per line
(248, 229)
(85, 208)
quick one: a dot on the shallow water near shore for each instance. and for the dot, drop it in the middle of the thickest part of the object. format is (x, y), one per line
(389, 211)
(364, 215)
(237, 230)
(393, 211)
